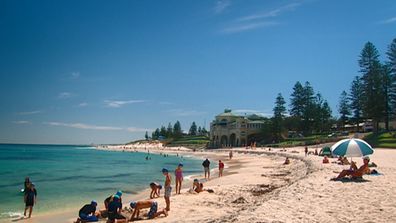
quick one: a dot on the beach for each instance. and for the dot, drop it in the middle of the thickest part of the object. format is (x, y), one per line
(257, 187)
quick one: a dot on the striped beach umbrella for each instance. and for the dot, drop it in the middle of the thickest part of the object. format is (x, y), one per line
(352, 148)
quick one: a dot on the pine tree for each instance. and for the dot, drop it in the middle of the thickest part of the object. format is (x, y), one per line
(156, 134)
(356, 100)
(391, 56)
(297, 100)
(177, 131)
(279, 115)
(163, 131)
(373, 94)
(169, 130)
(193, 129)
(343, 108)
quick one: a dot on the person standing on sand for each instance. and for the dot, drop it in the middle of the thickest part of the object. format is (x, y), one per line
(306, 150)
(179, 177)
(168, 188)
(206, 165)
(30, 199)
(230, 154)
(221, 168)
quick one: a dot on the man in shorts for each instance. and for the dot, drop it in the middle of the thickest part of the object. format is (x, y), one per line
(153, 205)
(206, 165)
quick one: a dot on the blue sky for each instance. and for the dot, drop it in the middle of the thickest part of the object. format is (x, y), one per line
(107, 71)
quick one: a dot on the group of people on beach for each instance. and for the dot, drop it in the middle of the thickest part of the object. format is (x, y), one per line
(113, 204)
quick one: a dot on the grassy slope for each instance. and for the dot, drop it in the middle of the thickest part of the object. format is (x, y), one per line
(382, 140)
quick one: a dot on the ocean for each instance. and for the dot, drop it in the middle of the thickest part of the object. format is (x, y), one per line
(67, 177)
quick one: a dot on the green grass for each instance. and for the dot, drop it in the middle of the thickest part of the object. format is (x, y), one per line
(189, 140)
(304, 141)
(382, 140)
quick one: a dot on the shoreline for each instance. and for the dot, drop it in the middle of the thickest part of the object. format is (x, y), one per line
(256, 187)
(71, 214)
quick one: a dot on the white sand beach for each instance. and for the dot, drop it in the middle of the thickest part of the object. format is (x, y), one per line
(257, 187)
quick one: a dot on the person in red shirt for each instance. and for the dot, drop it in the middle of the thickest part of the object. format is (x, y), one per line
(221, 168)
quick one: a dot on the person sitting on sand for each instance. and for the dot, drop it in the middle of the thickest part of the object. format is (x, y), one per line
(155, 190)
(88, 213)
(153, 213)
(287, 161)
(114, 211)
(344, 161)
(354, 171)
(325, 160)
(110, 199)
(197, 186)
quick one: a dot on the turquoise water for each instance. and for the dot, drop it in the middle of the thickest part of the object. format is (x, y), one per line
(66, 176)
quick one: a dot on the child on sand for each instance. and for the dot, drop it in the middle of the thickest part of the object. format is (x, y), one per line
(30, 199)
(197, 186)
(179, 177)
(287, 161)
(221, 168)
(153, 205)
(325, 160)
(155, 190)
(168, 188)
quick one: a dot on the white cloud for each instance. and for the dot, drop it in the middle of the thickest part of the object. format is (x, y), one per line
(82, 126)
(182, 112)
(117, 104)
(65, 95)
(390, 20)
(83, 104)
(221, 5)
(30, 112)
(246, 27)
(22, 122)
(135, 129)
(75, 75)
(272, 13)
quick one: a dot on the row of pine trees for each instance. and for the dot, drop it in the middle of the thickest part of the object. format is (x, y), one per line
(175, 131)
(372, 95)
